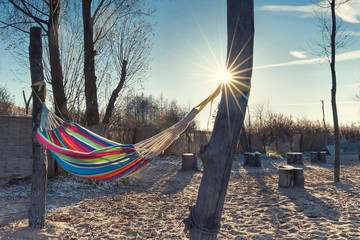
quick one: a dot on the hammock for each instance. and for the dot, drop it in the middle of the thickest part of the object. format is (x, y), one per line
(88, 155)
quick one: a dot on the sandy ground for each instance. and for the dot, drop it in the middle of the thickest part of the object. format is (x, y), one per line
(153, 203)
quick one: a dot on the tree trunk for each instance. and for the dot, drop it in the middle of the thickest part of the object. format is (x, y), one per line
(92, 111)
(323, 113)
(218, 154)
(115, 94)
(333, 96)
(55, 63)
(39, 171)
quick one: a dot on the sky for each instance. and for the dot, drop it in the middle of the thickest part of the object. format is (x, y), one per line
(190, 37)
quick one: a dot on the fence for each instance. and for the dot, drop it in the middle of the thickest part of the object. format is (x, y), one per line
(16, 145)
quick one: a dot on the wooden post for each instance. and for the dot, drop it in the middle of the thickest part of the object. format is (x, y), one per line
(286, 177)
(39, 169)
(218, 154)
(322, 157)
(252, 159)
(189, 162)
(290, 177)
(314, 157)
(318, 157)
(294, 158)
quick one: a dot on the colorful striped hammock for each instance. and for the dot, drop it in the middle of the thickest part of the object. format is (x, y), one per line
(88, 155)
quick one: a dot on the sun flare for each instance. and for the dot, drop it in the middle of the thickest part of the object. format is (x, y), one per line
(222, 76)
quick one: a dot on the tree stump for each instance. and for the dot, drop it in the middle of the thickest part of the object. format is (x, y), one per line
(322, 157)
(294, 158)
(252, 159)
(314, 157)
(318, 157)
(189, 162)
(290, 177)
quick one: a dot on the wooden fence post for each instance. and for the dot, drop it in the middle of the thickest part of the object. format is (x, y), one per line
(39, 168)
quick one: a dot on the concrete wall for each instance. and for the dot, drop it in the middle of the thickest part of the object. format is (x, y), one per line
(15, 147)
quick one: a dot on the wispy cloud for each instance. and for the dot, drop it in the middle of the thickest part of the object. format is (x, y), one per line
(298, 54)
(354, 85)
(287, 8)
(339, 57)
(352, 33)
(349, 11)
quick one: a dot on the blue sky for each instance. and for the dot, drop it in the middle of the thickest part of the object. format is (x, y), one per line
(190, 36)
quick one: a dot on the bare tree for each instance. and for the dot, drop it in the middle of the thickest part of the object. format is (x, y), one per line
(332, 40)
(18, 16)
(99, 20)
(27, 102)
(323, 113)
(6, 101)
(39, 169)
(261, 126)
(219, 153)
(130, 50)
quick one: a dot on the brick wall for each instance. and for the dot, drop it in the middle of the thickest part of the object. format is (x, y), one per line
(15, 147)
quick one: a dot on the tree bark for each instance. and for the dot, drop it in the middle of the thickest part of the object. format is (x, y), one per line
(218, 154)
(333, 95)
(115, 94)
(57, 82)
(39, 169)
(92, 110)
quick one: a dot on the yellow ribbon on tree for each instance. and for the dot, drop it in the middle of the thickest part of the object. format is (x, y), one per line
(40, 86)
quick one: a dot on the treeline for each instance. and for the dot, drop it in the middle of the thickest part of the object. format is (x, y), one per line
(149, 111)
(277, 128)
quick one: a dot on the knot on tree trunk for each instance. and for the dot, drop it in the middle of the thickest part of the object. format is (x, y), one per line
(191, 222)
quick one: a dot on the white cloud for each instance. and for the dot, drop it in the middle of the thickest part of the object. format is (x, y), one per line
(352, 33)
(354, 85)
(286, 8)
(349, 11)
(298, 54)
(339, 57)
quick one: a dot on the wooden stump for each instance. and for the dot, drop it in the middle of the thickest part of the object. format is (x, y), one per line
(322, 157)
(189, 162)
(252, 159)
(290, 177)
(314, 157)
(294, 158)
(318, 157)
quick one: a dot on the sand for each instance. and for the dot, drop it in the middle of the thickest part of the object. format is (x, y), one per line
(153, 203)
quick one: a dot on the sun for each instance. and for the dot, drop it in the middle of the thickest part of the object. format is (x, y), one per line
(222, 75)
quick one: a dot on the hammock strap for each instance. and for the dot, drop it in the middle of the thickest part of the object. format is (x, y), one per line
(39, 86)
(217, 91)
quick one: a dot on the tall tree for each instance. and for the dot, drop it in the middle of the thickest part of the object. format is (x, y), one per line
(92, 109)
(333, 92)
(20, 15)
(130, 50)
(332, 40)
(39, 166)
(101, 19)
(219, 153)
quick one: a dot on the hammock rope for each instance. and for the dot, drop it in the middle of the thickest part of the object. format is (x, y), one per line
(88, 155)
